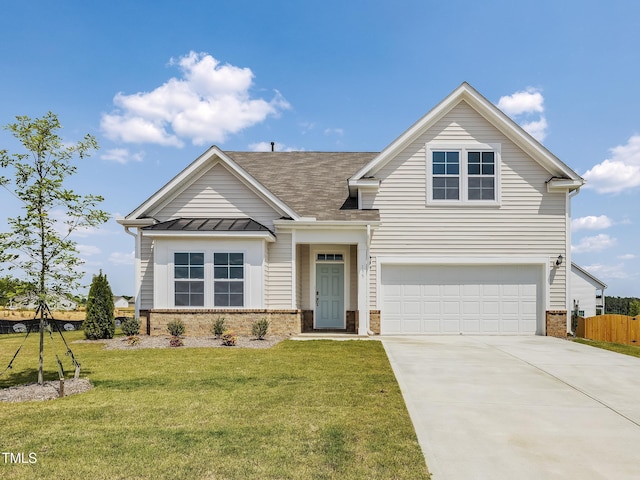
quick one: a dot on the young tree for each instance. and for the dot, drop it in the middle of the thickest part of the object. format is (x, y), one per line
(634, 307)
(99, 322)
(39, 244)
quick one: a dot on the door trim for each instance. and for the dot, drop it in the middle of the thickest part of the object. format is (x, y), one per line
(314, 250)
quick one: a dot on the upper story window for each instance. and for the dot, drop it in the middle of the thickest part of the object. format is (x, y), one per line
(463, 175)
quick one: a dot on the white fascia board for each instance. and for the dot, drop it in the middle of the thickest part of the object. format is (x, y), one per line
(172, 188)
(137, 222)
(491, 113)
(563, 184)
(268, 236)
(371, 184)
(593, 280)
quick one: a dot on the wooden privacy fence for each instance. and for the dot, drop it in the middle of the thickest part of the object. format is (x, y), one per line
(610, 328)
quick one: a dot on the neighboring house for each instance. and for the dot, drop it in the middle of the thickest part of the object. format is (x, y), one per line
(587, 291)
(120, 302)
(459, 226)
(55, 302)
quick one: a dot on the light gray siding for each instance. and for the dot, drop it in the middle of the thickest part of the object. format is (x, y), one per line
(218, 193)
(529, 221)
(146, 272)
(279, 281)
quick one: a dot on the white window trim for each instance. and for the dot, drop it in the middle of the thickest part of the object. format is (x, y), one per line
(208, 278)
(463, 148)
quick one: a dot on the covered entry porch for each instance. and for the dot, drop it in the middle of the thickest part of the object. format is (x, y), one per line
(331, 278)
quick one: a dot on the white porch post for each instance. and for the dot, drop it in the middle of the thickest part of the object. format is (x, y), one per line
(363, 288)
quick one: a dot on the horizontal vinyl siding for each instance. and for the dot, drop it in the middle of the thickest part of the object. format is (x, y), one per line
(279, 277)
(146, 272)
(529, 221)
(218, 193)
(303, 280)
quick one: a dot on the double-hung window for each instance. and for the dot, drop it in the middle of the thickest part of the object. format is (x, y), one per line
(188, 274)
(463, 175)
(228, 279)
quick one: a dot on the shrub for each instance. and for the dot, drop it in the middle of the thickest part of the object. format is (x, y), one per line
(99, 322)
(131, 326)
(218, 327)
(259, 328)
(176, 327)
(229, 338)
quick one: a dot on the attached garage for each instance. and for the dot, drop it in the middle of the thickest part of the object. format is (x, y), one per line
(467, 299)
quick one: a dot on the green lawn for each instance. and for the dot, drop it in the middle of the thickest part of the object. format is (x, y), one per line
(632, 350)
(313, 409)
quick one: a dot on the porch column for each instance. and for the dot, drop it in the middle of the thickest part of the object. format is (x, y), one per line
(363, 288)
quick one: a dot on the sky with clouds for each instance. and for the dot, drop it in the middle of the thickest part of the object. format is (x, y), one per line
(157, 82)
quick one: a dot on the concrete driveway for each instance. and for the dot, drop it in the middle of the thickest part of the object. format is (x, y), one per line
(520, 407)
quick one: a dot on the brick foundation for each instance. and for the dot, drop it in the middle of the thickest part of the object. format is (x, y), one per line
(374, 321)
(556, 323)
(198, 323)
(351, 322)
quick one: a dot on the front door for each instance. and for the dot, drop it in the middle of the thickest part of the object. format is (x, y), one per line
(329, 295)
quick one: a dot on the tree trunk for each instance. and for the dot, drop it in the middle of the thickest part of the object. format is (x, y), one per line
(41, 359)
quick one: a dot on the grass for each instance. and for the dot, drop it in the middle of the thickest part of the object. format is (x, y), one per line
(632, 350)
(300, 410)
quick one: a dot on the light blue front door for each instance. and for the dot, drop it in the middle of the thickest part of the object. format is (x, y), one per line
(329, 295)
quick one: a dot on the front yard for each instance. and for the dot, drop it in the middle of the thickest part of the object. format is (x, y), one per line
(313, 409)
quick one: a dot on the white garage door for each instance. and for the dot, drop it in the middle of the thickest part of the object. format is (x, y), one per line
(487, 299)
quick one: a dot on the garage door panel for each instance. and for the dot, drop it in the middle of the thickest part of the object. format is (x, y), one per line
(460, 299)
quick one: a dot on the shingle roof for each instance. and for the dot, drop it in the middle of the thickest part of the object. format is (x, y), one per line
(209, 225)
(314, 184)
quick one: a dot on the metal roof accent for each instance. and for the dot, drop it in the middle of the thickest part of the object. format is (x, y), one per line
(209, 225)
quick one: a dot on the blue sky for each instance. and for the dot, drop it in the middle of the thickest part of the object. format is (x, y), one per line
(157, 82)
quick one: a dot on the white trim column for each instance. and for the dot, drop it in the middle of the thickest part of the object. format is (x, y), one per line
(363, 288)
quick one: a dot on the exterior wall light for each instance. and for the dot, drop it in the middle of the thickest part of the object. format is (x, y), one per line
(559, 260)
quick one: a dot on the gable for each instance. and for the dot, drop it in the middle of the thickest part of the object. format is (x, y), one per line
(494, 117)
(217, 192)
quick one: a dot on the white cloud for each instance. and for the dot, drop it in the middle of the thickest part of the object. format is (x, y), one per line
(527, 108)
(591, 222)
(88, 250)
(334, 131)
(627, 256)
(608, 272)
(122, 156)
(594, 244)
(526, 101)
(618, 173)
(120, 258)
(209, 102)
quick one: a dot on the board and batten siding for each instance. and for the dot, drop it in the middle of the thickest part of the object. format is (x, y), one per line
(218, 193)
(529, 222)
(279, 282)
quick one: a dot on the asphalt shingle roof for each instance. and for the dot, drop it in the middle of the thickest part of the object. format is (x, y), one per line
(314, 184)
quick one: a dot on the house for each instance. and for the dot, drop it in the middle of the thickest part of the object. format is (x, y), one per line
(120, 302)
(459, 226)
(55, 301)
(587, 292)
